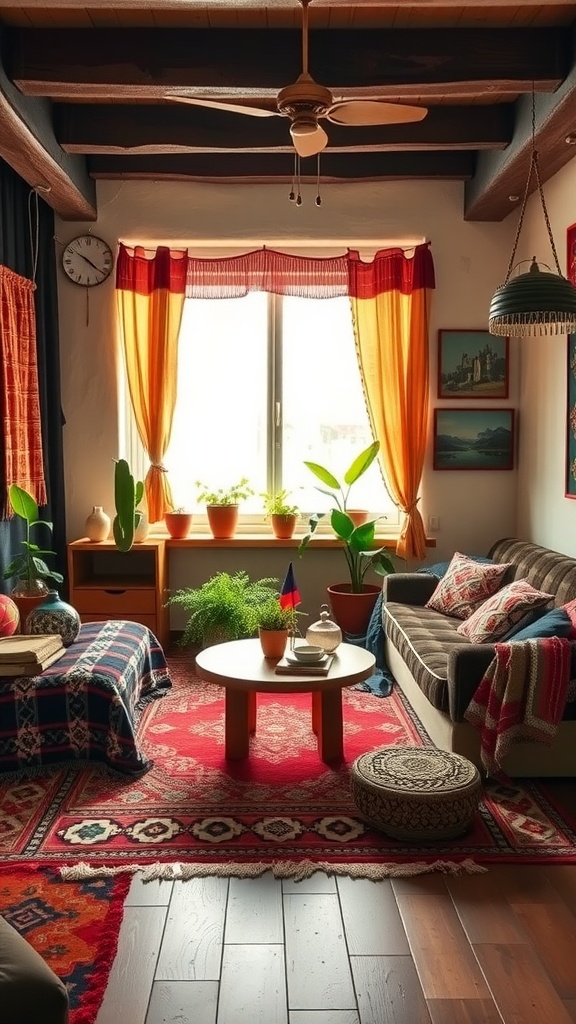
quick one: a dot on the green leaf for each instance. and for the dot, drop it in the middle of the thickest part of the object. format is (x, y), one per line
(23, 504)
(341, 524)
(15, 567)
(381, 563)
(324, 475)
(361, 463)
(362, 538)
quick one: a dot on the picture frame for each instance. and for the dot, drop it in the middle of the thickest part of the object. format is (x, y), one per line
(472, 364)
(570, 478)
(477, 439)
(571, 253)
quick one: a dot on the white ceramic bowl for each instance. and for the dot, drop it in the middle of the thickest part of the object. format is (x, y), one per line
(308, 652)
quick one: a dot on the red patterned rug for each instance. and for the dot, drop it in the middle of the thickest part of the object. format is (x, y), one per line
(282, 808)
(73, 925)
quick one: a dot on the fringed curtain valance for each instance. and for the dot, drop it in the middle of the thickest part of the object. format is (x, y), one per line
(389, 297)
(19, 393)
(391, 307)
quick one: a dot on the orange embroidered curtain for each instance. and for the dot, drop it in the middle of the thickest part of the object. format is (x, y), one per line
(19, 395)
(391, 305)
(150, 299)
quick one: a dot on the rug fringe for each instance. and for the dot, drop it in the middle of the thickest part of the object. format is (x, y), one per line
(297, 871)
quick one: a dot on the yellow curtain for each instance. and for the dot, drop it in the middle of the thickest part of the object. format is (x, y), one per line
(390, 300)
(150, 300)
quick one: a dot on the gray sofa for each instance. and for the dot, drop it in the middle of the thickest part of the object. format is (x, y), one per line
(438, 670)
(30, 992)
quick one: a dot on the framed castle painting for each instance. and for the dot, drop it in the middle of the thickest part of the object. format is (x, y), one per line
(472, 364)
(473, 438)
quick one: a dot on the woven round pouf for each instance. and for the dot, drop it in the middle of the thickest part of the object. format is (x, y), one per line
(416, 792)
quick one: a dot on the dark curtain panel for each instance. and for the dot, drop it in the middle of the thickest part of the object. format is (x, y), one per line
(23, 222)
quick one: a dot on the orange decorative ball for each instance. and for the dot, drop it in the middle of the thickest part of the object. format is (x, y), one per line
(9, 616)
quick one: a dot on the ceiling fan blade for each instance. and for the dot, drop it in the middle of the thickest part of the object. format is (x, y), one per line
(311, 143)
(365, 112)
(234, 108)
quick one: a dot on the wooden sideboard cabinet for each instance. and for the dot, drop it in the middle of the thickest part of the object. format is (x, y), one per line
(106, 583)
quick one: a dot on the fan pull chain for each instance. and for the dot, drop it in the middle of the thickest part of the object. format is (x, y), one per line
(299, 196)
(292, 195)
(318, 199)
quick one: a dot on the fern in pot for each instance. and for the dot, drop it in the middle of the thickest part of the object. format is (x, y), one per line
(224, 608)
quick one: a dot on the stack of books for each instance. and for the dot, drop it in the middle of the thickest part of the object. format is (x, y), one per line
(289, 665)
(29, 655)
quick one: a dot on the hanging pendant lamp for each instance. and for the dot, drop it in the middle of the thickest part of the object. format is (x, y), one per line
(536, 302)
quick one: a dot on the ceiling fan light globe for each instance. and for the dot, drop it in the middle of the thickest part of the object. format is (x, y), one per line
(303, 126)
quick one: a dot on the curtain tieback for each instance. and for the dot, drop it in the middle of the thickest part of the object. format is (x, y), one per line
(410, 508)
(158, 466)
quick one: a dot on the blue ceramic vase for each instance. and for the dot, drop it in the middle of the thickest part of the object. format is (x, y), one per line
(53, 615)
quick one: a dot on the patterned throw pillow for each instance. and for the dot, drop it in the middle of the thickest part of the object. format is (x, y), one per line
(570, 610)
(498, 614)
(466, 585)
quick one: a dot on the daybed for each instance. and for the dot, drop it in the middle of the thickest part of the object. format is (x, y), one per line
(438, 669)
(86, 705)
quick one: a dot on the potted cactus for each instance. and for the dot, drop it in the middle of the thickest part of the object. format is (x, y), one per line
(127, 497)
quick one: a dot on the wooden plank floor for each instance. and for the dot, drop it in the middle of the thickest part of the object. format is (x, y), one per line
(497, 948)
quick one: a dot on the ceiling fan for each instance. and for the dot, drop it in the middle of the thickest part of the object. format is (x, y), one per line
(305, 102)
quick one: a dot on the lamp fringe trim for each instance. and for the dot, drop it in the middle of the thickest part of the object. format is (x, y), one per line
(531, 323)
(295, 870)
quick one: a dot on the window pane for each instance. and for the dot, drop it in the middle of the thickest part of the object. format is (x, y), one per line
(220, 422)
(324, 412)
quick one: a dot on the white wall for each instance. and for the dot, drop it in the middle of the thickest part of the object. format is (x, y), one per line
(473, 508)
(544, 514)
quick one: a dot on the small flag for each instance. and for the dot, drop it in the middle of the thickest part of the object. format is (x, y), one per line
(289, 595)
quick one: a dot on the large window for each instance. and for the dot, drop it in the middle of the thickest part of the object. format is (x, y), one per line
(264, 383)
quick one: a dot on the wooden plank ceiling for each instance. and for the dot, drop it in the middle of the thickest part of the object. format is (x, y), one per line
(85, 87)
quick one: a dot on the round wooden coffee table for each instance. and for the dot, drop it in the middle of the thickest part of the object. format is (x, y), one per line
(243, 670)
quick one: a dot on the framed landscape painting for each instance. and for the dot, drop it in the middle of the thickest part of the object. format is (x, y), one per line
(473, 438)
(570, 491)
(472, 364)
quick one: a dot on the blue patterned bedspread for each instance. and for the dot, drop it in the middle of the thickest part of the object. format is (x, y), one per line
(86, 705)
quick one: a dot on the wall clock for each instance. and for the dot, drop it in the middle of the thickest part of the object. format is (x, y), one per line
(87, 260)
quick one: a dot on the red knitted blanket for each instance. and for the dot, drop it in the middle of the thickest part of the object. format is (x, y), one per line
(522, 696)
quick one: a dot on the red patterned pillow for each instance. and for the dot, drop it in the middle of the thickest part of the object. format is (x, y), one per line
(499, 613)
(570, 610)
(466, 585)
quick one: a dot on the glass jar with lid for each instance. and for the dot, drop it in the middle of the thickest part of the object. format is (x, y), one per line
(325, 633)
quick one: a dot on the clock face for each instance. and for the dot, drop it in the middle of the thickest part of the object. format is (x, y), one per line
(87, 260)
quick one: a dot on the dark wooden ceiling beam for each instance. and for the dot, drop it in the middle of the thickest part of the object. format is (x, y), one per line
(279, 166)
(203, 5)
(148, 63)
(501, 175)
(28, 145)
(114, 128)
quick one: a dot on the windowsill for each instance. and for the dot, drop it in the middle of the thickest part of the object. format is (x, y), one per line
(267, 540)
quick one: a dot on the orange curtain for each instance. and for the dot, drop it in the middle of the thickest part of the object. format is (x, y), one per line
(150, 292)
(390, 300)
(19, 395)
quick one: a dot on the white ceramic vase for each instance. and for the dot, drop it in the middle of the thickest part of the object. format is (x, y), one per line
(97, 525)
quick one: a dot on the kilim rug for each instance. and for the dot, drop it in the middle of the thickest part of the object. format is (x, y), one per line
(282, 808)
(73, 925)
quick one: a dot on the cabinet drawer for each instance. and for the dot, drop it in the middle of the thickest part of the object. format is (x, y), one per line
(114, 602)
(144, 620)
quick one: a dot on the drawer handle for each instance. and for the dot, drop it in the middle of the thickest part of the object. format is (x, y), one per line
(115, 591)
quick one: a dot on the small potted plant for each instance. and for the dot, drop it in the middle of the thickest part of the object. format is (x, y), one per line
(282, 514)
(178, 523)
(222, 506)
(275, 624)
(29, 568)
(127, 496)
(223, 608)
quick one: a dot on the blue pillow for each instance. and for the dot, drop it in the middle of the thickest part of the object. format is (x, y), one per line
(556, 622)
(440, 569)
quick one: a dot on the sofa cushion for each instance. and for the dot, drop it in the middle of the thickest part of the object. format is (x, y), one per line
(466, 586)
(439, 569)
(498, 613)
(556, 622)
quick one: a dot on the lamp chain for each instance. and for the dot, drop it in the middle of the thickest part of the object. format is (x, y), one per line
(533, 167)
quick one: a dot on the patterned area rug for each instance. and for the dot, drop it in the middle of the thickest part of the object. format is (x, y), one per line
(73, 925)
(282, 808)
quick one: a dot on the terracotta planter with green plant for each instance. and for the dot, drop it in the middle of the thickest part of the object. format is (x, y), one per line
(358, 545)
(178, 523)
(283, 515)
(275, 624)
(222, 506)
(224, 608)
(29, 568)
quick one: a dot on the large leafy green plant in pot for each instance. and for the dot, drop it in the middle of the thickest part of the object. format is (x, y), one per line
(28, 568)
(352, 602)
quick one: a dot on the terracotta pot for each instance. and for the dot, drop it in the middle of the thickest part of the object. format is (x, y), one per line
(178, 524)
(222, 520)
(283, 526)
(273, 642)
(26, 599)
(352, 611)
(358, 516)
